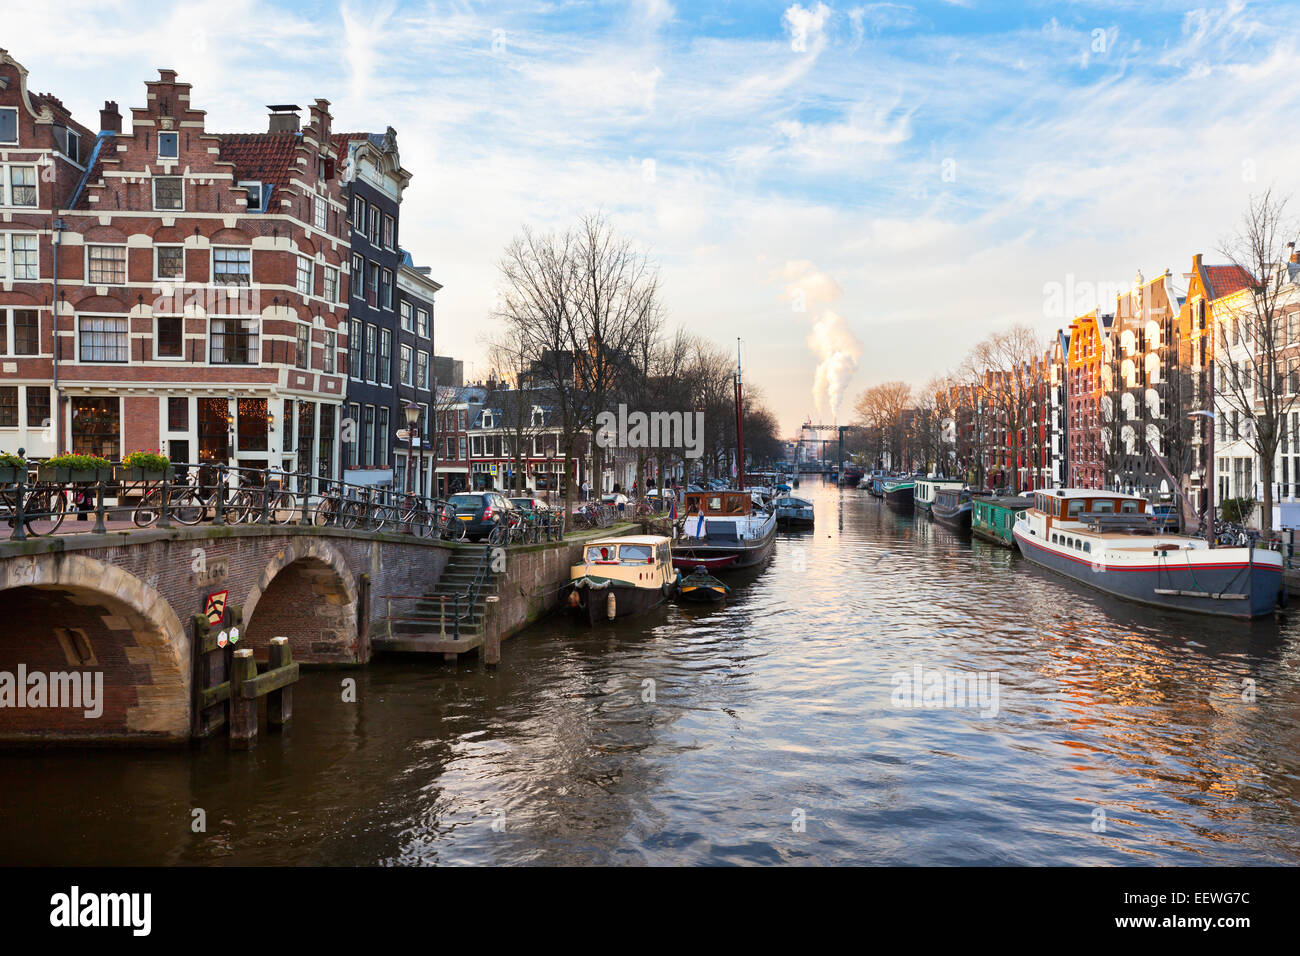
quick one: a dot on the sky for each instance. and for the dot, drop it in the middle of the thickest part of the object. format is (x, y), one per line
(858, 192)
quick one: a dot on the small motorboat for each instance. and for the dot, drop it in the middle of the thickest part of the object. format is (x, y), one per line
(621, 576)
(952, 509)
(793, 513)
(700, 587)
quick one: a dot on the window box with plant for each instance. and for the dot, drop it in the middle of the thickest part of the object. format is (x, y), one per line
(144, 466)
(13, 468)
(63, 468)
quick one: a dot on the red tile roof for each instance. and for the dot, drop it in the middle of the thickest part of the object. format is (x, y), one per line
(265, 157)
(1224, 280)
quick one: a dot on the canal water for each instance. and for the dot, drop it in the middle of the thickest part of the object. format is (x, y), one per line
(774, 730)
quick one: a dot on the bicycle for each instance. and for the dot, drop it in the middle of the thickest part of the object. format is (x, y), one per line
(42, 502)
(192, 501)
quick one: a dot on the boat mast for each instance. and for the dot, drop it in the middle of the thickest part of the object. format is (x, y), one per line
(740, 429)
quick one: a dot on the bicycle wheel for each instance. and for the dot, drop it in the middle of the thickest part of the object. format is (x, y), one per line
(325, 512)
(497, 536)
(351, 514)
(188, 507)
(149, 507)
(238, 507)
(284, 508)
(44, 504)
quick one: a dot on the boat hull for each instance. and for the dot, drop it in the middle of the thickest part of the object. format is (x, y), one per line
(593, 606)
(955, 520)
(1231, 587)
(902, 499)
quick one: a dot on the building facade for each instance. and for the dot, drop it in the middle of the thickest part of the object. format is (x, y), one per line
(1089, 335)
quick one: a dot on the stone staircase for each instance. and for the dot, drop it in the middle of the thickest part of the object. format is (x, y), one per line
(417, 626)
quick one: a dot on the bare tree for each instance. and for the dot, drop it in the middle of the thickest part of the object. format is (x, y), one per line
(1253, 381)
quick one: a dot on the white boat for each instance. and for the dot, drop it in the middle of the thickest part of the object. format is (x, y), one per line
(1111, 542)
(723, 530)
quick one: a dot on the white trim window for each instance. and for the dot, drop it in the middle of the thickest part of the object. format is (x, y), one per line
(169, 193)
(372, 353)
(331, 350)
(253, 194)
(169, 145)
(385, 357)
(422, 369)
(331, 284)
(9, 125)
(405, 368)
(390, 230)
(169, 263)
(355, 342)
(359, 215)
(23, 251)
(422, 323)
(105, 265)
(373, 234)
(358, 276)
(232, 265)
(386, 289)
(302, 346)
(103, 339)
(168, 337)
(306, 272)
(321, 208)
(20, 187)
(234, 340)
(405, 309)
(20, 332)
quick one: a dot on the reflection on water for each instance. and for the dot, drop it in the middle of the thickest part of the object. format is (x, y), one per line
(698, 735)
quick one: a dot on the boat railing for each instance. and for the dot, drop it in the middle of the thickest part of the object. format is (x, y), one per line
(1136, 523)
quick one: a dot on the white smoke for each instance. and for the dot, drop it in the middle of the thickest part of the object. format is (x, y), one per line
(810, 290)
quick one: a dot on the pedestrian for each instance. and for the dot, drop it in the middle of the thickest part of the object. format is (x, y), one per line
(586, 490)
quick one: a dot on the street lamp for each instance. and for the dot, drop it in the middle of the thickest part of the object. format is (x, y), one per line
(412, 413)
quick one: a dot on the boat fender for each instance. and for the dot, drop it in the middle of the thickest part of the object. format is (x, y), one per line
(611, 606)
(574, 599)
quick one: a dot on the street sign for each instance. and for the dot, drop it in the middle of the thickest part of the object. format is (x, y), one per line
(234, 635)
(214, 609)
(222, 639)
(403, 434)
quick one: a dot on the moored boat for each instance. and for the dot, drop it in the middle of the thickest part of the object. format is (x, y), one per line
(952, 509)
(621, 576)
(994, 518)
(700, 587)
(722, 530)
(898, 492)
(927, 490)
(1111, 542)
(793, 513)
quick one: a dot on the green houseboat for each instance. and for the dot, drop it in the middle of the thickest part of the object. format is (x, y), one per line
(994, 518)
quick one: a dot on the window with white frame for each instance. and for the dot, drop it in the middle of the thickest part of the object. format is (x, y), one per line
(106, 265)
(168, 337)
(389, 230)
(102, 338)
(9, 125)
(405, 308)
(354, 350)
(331, 280)
(373, 233)
(19, 332)
(168, 145)
(359, 215)
(168, 193)
(70, 142)
(386, 289)
(302, 348)
(232, 265)
(372, 353)
(253, 192)
(385, 357)
(404, 369)
(422, 326)
(358, 277)
(321, 208)
(331, 350)
(382, 438)
(305, 270)
(21, 186)
(169, 262)
(422, 369)
(234, 341)
(26, 257)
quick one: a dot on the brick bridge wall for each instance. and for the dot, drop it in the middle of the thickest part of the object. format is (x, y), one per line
(122, 604)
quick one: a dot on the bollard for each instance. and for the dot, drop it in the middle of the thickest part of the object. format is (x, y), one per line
(220, 517)
(100, 527)
(164, 509)
(243, 713)
(279, 703)
(20, 514)
(491, 635)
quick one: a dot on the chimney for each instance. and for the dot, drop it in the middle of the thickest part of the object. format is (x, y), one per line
(110, 118)
(1292, 256)
(320, 119)
(284, 118)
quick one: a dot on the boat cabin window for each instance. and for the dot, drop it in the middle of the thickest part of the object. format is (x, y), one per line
(1130, 507)
(1087, 546)
(636, 554)
(1103, 506)
(1076, 507)
(601, 554)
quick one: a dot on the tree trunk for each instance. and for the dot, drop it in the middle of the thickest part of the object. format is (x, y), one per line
(1266, 475)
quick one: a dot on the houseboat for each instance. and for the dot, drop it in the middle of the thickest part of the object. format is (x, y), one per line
(994, 519)
(723, 530)
(952, 509)
(927, 489)
(898, 492)
(621, 576)
(793, 513)
(1111, 542)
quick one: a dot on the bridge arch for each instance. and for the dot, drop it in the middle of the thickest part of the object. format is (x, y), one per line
(308, 594)
(70, 614)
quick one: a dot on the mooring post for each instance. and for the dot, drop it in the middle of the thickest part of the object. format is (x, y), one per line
(243, 712)
(491, 633)
(279, 703)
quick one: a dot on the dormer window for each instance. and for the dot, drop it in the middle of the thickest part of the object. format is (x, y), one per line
(168, 145)
(254, 192)
(70, 142)
(8, 124)
(487, 419)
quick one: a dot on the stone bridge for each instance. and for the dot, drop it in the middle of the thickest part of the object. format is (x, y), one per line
(124, 604)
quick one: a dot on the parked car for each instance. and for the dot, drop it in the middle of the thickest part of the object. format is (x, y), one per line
(477, 512)
(531, 505)
(1166, 516)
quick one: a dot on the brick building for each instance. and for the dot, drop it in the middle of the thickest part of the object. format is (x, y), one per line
(1089, 335)
(200, 280)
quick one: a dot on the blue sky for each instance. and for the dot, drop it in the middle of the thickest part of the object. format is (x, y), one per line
(864, 188)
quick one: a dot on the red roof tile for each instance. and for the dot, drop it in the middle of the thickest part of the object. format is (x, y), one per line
(1224, 280)
(265, 157)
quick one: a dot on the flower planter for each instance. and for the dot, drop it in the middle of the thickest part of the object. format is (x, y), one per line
(10, 474)
(124, 473)
(61, 474)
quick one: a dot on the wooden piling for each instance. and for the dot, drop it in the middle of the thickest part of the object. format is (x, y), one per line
(243, 711)
(279, 703)
(491, 633)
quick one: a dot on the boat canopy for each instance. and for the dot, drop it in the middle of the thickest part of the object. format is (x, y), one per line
(719, 503)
